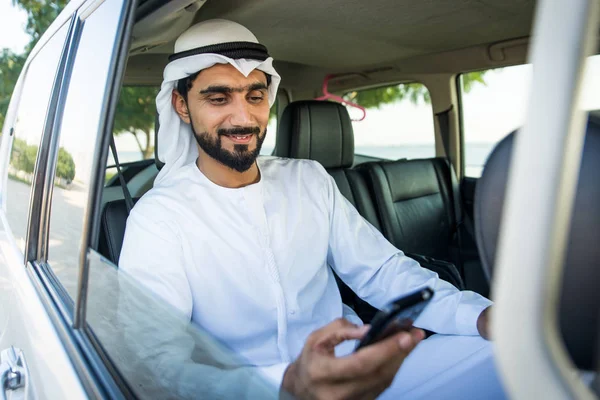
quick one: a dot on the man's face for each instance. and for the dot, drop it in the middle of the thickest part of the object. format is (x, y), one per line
(228, 113)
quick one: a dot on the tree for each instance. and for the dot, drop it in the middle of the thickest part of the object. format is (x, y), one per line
(23, 156)
(40, 14)
(415, 92)
(136, 113)
(65, 166)
(11, 65)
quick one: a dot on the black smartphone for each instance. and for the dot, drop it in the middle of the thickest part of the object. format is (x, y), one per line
(397, 316)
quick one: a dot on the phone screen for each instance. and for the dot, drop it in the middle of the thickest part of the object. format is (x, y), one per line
(397, 316)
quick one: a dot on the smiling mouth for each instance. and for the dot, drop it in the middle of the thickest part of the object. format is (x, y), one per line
(240, 139)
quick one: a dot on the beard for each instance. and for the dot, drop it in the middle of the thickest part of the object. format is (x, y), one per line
(241, 158)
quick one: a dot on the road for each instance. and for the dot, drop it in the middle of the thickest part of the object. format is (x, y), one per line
(66, 224)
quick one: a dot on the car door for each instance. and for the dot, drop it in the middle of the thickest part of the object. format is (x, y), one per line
(45, 164)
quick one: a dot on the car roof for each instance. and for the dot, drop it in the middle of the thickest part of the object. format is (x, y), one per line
(377, 41)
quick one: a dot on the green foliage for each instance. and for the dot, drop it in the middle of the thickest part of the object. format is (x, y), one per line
(23, 156)
(415, 92)
(10, 67)
(135, 114)
(40, 14)
(65, 166)
(473, 78)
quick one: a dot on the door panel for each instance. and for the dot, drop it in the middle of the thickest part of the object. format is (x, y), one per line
(25, 324)
(24, 321)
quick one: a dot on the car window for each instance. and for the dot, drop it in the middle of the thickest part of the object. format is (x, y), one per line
(134, 127)
(77, 141)
(491, 111)
(157, 350)
(398, 122)
(27, 132)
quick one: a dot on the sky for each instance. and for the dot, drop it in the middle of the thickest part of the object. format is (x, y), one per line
(12, 27)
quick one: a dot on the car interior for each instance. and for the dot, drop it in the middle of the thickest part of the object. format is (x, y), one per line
(423, 206)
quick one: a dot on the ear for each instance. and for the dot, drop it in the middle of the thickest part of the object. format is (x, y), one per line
(180, 106)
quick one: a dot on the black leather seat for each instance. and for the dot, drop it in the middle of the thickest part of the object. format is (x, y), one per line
(322, 131)
(579, 309)
(415, 202)
(415, 205)
(113, 220)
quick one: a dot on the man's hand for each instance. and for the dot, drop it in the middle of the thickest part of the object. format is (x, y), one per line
(318, 374)
(483, 324)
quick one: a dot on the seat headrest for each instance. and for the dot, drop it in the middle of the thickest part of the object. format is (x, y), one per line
(580, 295)
(316, 130)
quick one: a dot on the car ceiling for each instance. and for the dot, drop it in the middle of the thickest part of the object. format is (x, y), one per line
(346, 34)
(310, 38)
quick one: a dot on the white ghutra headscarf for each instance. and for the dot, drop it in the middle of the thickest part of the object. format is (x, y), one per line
(205, 44)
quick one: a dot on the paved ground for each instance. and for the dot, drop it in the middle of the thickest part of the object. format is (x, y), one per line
(66, 223)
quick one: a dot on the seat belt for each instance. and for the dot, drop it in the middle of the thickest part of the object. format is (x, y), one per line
(461, 218)
(444, 124)
(128, 199)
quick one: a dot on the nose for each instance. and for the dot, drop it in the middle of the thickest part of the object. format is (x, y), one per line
(241, 114)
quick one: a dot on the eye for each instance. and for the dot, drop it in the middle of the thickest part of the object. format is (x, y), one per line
(217, 100)
(256, 97)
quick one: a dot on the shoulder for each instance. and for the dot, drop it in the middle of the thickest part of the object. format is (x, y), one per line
(289, 167)
(158, 205)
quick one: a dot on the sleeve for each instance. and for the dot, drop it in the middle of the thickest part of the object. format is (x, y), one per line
(379, 273)
(163, 353)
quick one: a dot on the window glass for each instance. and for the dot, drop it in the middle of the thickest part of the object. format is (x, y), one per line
(491, 110)
(77, 140)
(269, 143)
(157, 350)
(134, 127)
(28, 129)
(398, 123)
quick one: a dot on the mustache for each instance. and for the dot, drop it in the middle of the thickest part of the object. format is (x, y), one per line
(245, 130)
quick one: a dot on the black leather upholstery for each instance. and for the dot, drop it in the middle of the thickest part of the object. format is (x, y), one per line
(415, 207)
(316, 130)
(580, 296)
(112, 229)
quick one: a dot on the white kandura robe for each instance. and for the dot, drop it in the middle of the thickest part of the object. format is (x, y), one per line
(251, 265)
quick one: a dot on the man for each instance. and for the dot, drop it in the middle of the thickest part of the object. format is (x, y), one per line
(242, 245)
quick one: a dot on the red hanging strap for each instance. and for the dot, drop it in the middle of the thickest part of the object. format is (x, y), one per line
(331, 96)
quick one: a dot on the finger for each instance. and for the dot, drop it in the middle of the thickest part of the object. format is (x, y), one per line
(326, 331)
(372, 358)
(328, 340)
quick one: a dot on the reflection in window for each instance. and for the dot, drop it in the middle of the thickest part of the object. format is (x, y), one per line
(77, 142)
(157, 350)
(28, 129)
(398, 124)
